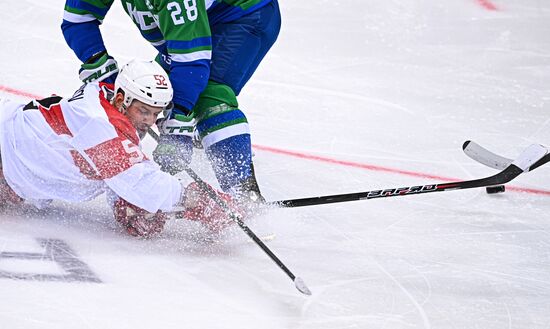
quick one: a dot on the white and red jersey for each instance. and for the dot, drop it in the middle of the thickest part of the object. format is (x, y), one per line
(75, 149)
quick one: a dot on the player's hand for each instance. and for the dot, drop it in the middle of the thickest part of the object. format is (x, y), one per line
(201, 207)
(139, 222)
(175, 145)
(101, 67)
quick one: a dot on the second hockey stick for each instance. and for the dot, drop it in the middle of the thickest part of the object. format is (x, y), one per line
(298, 282)
(532, 157)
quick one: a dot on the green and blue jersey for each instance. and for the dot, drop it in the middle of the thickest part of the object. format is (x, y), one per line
(178, 29)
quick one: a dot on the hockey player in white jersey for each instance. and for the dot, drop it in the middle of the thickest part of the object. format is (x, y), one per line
(74, 149)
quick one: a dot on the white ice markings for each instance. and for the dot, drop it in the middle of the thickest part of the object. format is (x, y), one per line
(57, 251)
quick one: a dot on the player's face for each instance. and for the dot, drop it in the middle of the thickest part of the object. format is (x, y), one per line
(142, 116)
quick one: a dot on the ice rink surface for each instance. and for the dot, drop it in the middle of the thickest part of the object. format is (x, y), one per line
(356, 95)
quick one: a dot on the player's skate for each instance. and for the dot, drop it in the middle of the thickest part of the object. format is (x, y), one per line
(248, 196)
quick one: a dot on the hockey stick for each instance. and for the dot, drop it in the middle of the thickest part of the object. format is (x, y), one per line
(298, 282)
(484, 156)
(480, 154)
(531, 158)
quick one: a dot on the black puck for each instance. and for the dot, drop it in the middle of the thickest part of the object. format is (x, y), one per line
(495, 189)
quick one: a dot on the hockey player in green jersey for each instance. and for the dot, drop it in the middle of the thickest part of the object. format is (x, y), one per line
(210, 48)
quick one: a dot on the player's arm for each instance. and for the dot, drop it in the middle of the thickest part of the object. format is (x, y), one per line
(185, 27)
(188, 43)
(81, 20)
(142, 193)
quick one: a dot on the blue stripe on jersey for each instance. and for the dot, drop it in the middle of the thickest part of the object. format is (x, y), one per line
(185, 45)
(189, 80)
(96, 11)
(221, 12)
(214, 121)
(83, 38)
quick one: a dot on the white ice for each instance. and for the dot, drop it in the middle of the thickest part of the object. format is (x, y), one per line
(394, 84)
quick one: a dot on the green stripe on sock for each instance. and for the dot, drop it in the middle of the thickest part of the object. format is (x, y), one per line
(223, 125)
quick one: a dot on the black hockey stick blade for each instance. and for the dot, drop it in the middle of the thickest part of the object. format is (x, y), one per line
(535, 155)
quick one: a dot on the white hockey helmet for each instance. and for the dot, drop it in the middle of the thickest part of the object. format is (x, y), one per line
(145, 81)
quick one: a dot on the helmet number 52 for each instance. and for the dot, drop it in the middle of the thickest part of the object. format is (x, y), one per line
(178, 15)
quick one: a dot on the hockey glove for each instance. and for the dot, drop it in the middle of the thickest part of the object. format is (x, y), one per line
(199, 206)
(100, 67)
(138, 222)
(175, 145)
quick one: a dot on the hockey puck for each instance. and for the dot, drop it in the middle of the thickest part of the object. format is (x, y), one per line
(495, 189)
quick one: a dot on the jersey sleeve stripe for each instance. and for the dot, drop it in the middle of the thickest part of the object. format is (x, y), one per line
(82, 8)
(95, 3)
(76, 18)
(157, 43)
(195, 56)
(190, 44)
(188, 51)
(55, 119)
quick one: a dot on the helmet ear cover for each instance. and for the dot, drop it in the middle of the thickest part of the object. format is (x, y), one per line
(124, 106)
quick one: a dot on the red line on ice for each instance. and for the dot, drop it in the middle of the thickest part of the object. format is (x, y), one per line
(383, 169)
(487, 4)
(330, 160)
(350, 164)
(18, 92)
